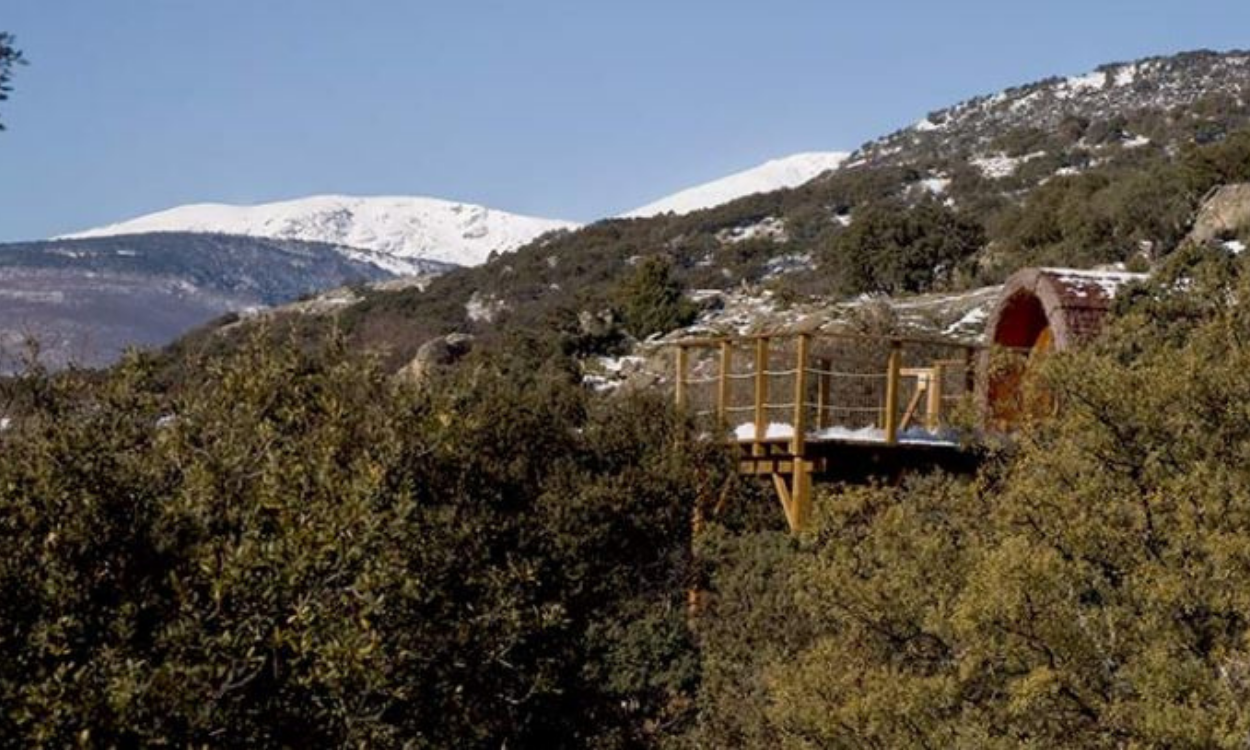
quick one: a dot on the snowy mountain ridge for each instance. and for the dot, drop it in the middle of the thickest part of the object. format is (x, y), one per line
(786, 172)
(401, 229)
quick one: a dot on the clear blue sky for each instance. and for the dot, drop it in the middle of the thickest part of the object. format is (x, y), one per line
(574, 109)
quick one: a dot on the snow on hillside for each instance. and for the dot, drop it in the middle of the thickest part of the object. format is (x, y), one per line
(405, 228)
(773, 175)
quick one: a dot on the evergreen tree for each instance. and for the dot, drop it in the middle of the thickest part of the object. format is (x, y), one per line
(652, 300)
(10, 57)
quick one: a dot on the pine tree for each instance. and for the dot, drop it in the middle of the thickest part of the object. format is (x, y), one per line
(10, 57)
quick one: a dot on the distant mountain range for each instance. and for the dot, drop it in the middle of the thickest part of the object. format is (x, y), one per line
(85, 300)
(397, 230)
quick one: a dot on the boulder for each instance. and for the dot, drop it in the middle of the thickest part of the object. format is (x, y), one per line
(1223, 213)
(436, 353)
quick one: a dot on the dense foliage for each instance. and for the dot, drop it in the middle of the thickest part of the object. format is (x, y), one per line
(294, 550)
(1090, 589)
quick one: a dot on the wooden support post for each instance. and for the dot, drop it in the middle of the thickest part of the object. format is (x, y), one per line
(933, 408)
(795, 495)
(787, 502)
(801, 494)
(970, 369)
(683, 357)
(761, 394)
(722, 387)
(893, 365)
(797, 443)
(824, 388)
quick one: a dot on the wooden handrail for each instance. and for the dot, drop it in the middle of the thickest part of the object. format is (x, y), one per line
(712, 342)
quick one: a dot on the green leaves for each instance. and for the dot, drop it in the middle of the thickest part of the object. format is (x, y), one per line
(290, 548)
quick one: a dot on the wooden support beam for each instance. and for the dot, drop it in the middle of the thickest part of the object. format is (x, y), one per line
(783, 494)
(801, 494)
(722, 386)
(761, 394)
(800, 397)
(933, 408)
(970, 369)
(683, 357)
(893, 366)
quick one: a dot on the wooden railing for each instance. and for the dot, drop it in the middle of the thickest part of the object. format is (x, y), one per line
(822, 386)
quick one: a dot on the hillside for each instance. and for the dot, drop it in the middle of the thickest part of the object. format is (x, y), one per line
(87, 299)
(1115, 176)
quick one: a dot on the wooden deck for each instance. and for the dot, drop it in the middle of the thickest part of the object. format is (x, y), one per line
(824, 405)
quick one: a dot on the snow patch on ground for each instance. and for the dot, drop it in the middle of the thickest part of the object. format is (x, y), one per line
(936, 185)
(769, 228)
(784, 264)
(484, 308)
(998, 166)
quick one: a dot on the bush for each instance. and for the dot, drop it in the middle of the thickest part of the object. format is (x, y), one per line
(293, 550)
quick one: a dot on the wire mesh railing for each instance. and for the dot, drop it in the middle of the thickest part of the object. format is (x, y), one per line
(810, 387)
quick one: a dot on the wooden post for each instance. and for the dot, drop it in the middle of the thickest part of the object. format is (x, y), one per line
(800, 398)
(893, 365)
(824, 389)
(933, 408)
(970, 372)
(722, 387)
(682, 363)
(761, 394)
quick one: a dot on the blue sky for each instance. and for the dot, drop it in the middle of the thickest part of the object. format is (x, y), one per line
(565, 109)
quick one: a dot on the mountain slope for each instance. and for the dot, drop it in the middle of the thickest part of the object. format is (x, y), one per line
(398, 229)
(772, 175)
(85, 300)
(1115, 175)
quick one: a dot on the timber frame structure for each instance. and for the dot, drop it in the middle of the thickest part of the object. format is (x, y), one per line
(814, 404)
(802, 405)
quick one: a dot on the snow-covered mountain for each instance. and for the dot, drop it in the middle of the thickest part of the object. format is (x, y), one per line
(772, 175)
(401, 228)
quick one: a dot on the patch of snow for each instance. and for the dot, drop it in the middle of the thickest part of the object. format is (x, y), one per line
(1108, 282)
(784, 431)
(998, 166)
(1236, 247)
(484, 308)
(926, 125)
(1136, 141)
(974, 319)
(936, 185)
(1088, 82)
(768, 228)
(790, 171)
(784, 264)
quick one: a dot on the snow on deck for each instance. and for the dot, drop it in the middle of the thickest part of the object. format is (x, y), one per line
(745, 433)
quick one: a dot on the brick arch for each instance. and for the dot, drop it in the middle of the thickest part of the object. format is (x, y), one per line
(1039, 310)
